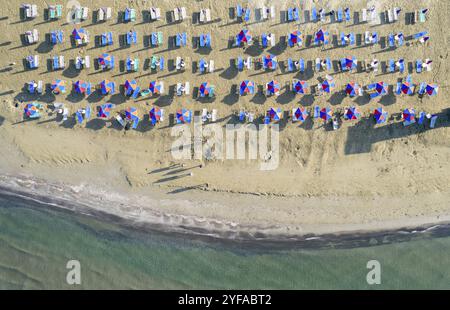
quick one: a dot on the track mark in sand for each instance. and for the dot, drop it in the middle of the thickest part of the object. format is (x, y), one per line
(318, 153)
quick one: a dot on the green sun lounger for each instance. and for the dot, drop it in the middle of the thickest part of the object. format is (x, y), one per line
(59, 11)
(160, 38)
(145, 93)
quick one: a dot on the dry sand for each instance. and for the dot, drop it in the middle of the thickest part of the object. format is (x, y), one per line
(361, 177)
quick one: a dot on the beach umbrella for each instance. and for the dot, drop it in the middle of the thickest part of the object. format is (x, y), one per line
(294, 37)
(275, 114)
(380, 115)
(407, 88)
(300, 114)
(155, 115)
(351, 89)
(326, 114)
(79, 34)
(409, 115)
(273, 87)
(349, 63)
(154, 87)
(327, 85)
(247, 87)
(106, 87)
(130, 86)
(104, 111)
(80, 86)
(204, 89)
(243, 36)
(321, 36)
(431, 89)
(379, 89)
(31, 110)
(270, 61)
(300, 87)
(352, 113)
(131, 114)
(58, 87)
(105, 60)
(184, 116)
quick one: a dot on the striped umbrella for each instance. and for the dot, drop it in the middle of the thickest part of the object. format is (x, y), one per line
(31, 110)
(326, 114)
(300, 114)
(295, 37)
(327, 86)
(407, 88)
(352, 113)
(243, 36)
(106, 60)
(380, 115)
(82, 87)
(205, 89)
(79, 34)
(154, 87)
(155, 115)
(381, 88)
(58, 87)
(349, 63)
(131, 114)
(107, 87)
(275, 114)
(104, 111)
(351, 89)
(409, 115)
(247, 87)
(273, 87)
(300, 87)
(270, 61)
(432, 89)
(184, 116)
(130, 86)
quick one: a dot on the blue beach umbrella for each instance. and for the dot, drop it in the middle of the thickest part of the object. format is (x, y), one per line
(351, 89)
(431, 89)
(352, 113)
(326, 114)
(58, 87)
(155, 115)
(273, 87)
(300, 114)
(104, 111)
(270, 61)
(130, 86)
(184, 116)
(247, 87)
(300, 87)
(243, 36)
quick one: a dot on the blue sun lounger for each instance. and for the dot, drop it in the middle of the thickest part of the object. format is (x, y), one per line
(201, 65)
(154, 63)
(391, 40)
(56, 37)
(247, 14)
(316, 111)
(351, 36)
(241, 116)
(131, 38)
(422, 88)
(129, 15)
(156, 38)
(391, 65)
(302, 65)
(419, 35)
(239, 10)
(33, 61)
(419, 66)
(375, 37)
(264, 41)
(240, 64)
(421, 118)
(132, 67)
(314, 15)
(205, 40)
(136, 92)
(79, 117)
(347, 14)
(402, 65)
(106, 39)
(328, 62)
(181, 39)
(290, 65)
(340, 15)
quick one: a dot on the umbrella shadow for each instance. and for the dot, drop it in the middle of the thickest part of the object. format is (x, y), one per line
(337, 97)
(286, 97)
(232, 97)
(96, 124)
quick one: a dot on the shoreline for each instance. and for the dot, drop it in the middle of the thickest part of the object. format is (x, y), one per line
(181, 226)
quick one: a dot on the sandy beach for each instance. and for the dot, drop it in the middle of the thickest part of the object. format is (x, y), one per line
(361, 177)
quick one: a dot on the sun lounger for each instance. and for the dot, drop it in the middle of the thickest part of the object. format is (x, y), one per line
(301, 64)
(33, 61)
(179, 14)
(55, 11)
(396, 13)
(56, 37)
(347, 14)
(32, 36)
(205, 40)
(131, 38)
(318, 64)
(155, 13)
(205, 15)
(364, 15)
(240, 63)
(391, 40)
(132, 65)
(290, 65)
(84, 13)
(129, 15)
(422, 17)
(106, 39)
(104, 14)
(314, 15)
(433, 121)
(181, 39)
(120, 120)
(391, 65)
(419, 65)
(30, 11)
(247, 14)
(340, 15)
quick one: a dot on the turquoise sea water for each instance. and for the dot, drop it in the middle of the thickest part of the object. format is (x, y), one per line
(36, 243)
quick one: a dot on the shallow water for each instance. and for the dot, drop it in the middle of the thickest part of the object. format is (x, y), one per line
(36, 242)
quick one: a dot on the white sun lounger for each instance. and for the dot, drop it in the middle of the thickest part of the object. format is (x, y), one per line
(84, 13)
(390, 16)
(161, 90)
(155, 13)
(249, 63)
(87, 62)
(204, 115)
(187, 88)
(65, 114)
(104, 14)
(214, 115)
(32, 36)
(211, 66)
(364, 15)
(205, 15)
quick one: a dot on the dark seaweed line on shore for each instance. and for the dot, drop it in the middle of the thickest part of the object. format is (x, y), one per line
(253, 241)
